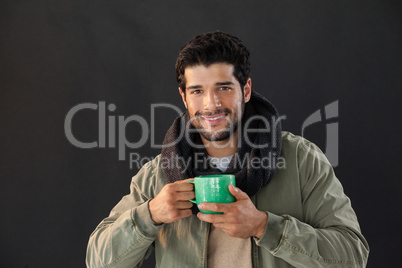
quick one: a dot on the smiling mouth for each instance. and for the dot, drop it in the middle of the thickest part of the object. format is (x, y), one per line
(214, 119)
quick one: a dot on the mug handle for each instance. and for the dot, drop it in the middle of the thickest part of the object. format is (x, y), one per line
(191, 200)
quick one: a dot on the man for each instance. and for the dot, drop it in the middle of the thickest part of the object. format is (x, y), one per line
(290, 209)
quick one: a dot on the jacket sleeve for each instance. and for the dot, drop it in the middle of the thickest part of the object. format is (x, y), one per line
(329, 234)
(125, 238)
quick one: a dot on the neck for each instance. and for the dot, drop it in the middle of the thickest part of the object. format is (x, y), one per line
(223, 148)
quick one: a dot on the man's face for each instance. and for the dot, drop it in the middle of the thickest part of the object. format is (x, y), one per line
(214, 100)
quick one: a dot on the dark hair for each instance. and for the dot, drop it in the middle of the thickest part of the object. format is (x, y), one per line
(214, 47)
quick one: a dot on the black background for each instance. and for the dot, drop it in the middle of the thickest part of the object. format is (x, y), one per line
(305, 54)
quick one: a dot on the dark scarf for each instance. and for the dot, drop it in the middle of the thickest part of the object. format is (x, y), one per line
(253, 167)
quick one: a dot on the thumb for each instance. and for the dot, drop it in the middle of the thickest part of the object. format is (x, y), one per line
(237, 193)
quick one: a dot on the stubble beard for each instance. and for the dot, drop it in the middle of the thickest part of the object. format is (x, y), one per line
(224, 133)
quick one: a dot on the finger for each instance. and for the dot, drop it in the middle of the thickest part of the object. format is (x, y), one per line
(218, 207)
(211, 218)
(183, 186)
(183, 205)
(237, 193)
(183, 213)
(184, 196)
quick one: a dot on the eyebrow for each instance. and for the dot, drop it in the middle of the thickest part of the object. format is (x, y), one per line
(216, 84)
(228, 83)
(193, 87)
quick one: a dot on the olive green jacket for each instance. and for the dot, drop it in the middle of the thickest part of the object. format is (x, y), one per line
(310, 221)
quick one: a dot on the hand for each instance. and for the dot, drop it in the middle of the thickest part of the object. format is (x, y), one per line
(239, 219)
(171, 203)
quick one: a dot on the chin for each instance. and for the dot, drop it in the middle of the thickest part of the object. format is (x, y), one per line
(220, 136)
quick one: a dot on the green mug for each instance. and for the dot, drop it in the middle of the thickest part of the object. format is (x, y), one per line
(213, 189)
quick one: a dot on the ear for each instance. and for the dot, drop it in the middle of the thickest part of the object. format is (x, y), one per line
(183, 97)
(247, 90)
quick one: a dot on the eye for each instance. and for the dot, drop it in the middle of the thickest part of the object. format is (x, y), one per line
(224, 88)
(196, 91)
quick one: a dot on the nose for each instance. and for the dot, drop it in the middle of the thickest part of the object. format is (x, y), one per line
(211, 101)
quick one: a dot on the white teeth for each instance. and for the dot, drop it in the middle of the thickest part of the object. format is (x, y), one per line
(214, 118)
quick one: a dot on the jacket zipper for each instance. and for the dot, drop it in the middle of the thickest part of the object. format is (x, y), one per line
(205, 246)
(254, 247)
